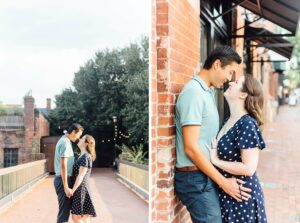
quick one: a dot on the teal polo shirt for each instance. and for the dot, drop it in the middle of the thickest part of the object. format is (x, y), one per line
(63, 149)
(196, 105)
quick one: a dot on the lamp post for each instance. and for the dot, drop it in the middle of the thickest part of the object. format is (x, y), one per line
(115, 120)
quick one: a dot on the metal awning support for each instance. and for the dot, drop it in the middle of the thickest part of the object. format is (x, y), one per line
(272, 45)
(248, 24)
(262, 35)
(230, 9)
(284, 13)
(262, 61)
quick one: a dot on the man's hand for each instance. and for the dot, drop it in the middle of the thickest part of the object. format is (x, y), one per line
(234, 188)
(68, 192)
(213, 151)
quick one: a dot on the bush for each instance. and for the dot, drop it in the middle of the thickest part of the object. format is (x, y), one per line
(134, 154)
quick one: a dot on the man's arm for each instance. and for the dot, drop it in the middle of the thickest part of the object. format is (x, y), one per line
(191, 136)
(64, 175)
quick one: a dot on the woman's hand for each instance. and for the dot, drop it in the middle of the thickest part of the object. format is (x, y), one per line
(213, 150)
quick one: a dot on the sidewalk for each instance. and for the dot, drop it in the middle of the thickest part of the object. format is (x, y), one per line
(114, 202)
(279, 167)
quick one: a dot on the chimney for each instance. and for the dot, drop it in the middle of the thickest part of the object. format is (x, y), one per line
(29, 113)
(49, 104)
(29, 122)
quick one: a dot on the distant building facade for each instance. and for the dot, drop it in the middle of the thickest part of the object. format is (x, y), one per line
(21, 128)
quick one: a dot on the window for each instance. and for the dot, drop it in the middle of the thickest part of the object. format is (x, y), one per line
(10, 157)
(203, 42)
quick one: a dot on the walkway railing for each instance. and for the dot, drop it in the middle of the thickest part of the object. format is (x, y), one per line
(13, 178)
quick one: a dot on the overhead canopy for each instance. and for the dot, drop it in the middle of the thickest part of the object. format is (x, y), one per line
(265, 38)
(284, 13)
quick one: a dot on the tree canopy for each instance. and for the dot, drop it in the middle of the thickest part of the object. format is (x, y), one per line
(113, 83)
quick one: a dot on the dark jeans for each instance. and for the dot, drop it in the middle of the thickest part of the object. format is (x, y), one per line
(64, 203)
(200, 196)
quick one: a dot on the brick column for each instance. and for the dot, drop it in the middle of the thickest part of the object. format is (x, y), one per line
(48, 101)
(29, 127)
(238, 43)
(175, 57)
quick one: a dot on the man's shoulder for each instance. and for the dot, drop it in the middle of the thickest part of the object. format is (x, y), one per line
(192, 88)
(63, 141)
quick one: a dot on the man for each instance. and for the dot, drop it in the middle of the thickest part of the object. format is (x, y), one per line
(197, 122)
(63, 167)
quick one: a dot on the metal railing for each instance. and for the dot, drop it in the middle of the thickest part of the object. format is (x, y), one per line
(13, 178)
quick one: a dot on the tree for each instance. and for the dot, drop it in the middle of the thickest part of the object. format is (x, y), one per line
(135, 113)
(113, 83)
(67, 111)
(294, 72)
(2, 108)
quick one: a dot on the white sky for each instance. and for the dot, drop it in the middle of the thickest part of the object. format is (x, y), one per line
(43, 42)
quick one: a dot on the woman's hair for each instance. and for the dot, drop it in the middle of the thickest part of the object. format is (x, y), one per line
(90, 146)
(255, 99)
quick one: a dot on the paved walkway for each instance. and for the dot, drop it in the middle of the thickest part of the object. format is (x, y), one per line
(114, 202)
(279, 167)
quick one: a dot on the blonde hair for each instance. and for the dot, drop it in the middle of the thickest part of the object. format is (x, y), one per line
(91, 146)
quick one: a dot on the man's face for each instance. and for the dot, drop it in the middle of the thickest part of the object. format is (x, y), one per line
(76, 135)
(223, 74)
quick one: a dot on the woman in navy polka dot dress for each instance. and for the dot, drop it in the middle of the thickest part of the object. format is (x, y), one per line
(235, 152)
(82, 206)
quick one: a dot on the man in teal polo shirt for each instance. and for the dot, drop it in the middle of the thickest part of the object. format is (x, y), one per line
(63, 167)
(197, 122)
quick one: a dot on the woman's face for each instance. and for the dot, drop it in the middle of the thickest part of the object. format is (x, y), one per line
(82, 143)
(234, 90)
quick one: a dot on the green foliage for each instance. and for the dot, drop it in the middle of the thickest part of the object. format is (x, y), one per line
(113, 83)
(294, 72)
(134, 154)
(2, 108)
(134, 114)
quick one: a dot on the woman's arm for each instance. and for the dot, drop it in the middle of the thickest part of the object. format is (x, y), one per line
(82, 171)
(245, 168)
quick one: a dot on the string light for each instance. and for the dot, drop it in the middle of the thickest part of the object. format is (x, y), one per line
(118, 134)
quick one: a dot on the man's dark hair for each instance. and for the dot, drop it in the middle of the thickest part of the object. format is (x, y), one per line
(75, 127)
(225, 54)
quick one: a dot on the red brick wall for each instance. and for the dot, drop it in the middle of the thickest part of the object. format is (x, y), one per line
(12, 139)
(238, 43)
(273, 88)
(28, 125)
(175, 57)
(42, 126)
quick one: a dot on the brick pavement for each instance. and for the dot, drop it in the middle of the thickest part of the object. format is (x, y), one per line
(279, 166)
(114, 202)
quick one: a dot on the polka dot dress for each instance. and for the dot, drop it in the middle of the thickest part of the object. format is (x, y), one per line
(81, 200)
(245, 134)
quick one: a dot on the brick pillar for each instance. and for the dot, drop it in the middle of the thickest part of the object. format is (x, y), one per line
(29, 127)
(238, 43)
(49, 103)
(175, 57)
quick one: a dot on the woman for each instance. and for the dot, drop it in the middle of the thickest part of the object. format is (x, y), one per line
(82, 205)
(236, 150)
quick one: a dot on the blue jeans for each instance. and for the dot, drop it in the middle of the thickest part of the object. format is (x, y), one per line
(200, 196)
(64, 203)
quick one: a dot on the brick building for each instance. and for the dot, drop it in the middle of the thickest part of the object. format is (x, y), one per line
(183, 32)
(21, 129)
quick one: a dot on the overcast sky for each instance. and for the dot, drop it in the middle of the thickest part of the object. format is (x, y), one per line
(43, 42)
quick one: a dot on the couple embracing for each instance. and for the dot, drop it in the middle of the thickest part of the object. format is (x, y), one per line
(71, 176)
(215, 176)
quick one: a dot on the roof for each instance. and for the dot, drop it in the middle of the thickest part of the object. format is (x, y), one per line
(11, 122)
(43, 111)
(284, 13)
(266, 39)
